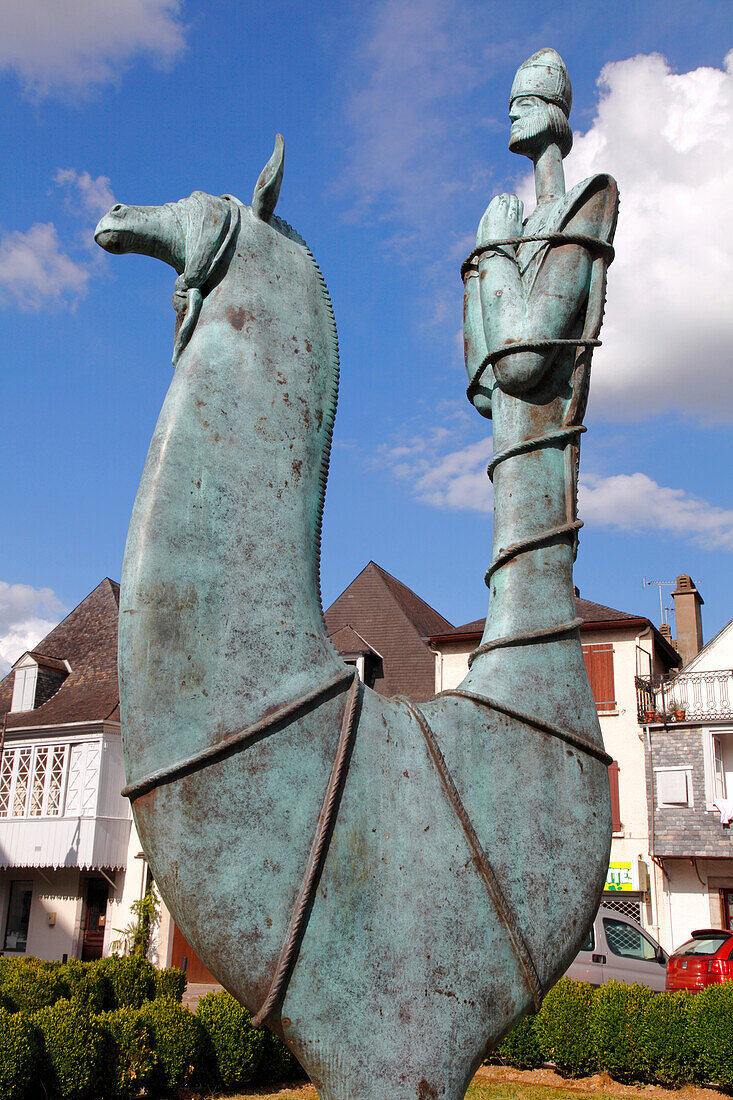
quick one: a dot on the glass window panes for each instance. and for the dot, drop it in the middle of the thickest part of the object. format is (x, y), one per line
(703, 945)
(625, 940)
(19, 911)
(39, 782)
(590, 940)
(32, 781)
(22, 779)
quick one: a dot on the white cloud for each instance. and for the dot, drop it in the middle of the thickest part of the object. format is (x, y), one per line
(95, 194)
(668, 140)
(35, 270)
(24, 619)
(75, 44)
(456, 480)
(413, 63)
(634, 502)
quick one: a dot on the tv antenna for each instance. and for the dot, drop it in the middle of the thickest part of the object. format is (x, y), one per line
(660, 585)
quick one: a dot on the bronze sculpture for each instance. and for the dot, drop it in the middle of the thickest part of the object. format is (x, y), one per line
(376, 881)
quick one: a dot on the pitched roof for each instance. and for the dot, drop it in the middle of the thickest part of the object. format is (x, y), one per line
(348, 640)
(87, 639)
(397, 623)
(592, 614)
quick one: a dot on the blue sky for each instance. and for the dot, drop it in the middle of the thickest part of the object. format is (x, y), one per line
(394, 114)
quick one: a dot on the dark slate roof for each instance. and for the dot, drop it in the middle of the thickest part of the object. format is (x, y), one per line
(87, 639)
(397, 623)
(588, 611)
(348, 640)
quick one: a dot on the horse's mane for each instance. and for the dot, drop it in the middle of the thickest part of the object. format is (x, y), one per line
(281, 226)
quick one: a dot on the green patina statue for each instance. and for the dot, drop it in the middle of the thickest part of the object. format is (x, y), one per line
(389, 887)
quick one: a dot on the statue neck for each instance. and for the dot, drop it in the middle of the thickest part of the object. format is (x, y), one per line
(549, 175)
(532, 593)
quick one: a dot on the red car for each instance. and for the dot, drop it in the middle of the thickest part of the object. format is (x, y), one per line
(704, 960)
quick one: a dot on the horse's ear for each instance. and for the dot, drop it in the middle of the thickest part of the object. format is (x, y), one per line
(267, 188)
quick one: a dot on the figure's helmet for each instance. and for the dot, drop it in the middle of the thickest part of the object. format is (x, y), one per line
(544, 75)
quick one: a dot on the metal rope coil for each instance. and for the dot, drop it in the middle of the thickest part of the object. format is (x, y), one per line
(524, 345)
(593, 244)
(525, 638)
(506, 913)
(561, 435)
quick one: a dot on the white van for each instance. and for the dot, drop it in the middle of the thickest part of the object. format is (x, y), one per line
(618, 949)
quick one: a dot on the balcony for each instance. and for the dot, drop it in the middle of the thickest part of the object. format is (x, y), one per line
(82, 842)
(691, 697)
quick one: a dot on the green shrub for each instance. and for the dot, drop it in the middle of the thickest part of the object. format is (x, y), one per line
(74, 1047)
(86, 984)
(131, 1058)
(562, 1027)
(237, 1047)
(278, 1063)
(616, 1020)
(664, 1048)
(131, 978)
(181, 1044)
(30, 984)
(19, 1058)
(170, 983)
(710, 1030)
(520, 1047)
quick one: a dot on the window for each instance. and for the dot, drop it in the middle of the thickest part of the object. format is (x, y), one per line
(674, 787)
(599, 664)
(629, 942)
(590, 941)
(24, 688)
(32, 781)
(704, 945)
(19, 911)
(615, 801)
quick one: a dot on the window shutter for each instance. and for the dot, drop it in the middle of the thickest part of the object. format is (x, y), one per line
(599, 664)
(615, 803)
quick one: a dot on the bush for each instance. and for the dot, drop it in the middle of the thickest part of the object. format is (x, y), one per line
(520, 1047)
(131, 1059)
(74, 1047)
(563, 1028)
(664, 1049)
(170, 983)
(616, 1021)
(181, 1045)
(237, 1047)
(19, 1058)
(278, 1063)
(29, 984)
(131, 978)
(710, 1030)
(87, 984)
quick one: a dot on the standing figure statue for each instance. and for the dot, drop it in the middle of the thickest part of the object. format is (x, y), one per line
(388, 886)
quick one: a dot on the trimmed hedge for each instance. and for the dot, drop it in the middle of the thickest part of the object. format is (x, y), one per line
(237, 1047)
(28, 984)
(521, 1048)
(132, 1061)
(710, 1030)
(74, 1051)
(563, 1028)
(616, 1019)
(20, 1055)
(181, 1045)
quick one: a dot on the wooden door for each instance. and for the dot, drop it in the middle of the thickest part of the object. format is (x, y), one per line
(95, 918)
(195, 969)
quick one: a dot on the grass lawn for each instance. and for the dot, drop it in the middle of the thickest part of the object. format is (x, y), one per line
(504, 1083)
(478, 1090)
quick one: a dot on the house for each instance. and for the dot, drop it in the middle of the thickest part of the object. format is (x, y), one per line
(70, 860)
(618, 647)
(383, 627)
(688, 722)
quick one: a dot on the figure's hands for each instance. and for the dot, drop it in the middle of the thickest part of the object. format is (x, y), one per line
(503, 218)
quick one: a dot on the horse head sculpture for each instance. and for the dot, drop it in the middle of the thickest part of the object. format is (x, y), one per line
(376, 880)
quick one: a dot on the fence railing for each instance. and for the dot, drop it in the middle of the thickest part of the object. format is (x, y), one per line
(691, 697)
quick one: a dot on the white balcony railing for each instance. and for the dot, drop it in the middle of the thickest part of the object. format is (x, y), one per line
(691, 697)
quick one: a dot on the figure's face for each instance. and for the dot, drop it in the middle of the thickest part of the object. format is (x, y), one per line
(531, 125)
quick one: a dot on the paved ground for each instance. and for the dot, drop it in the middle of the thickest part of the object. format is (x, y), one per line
(195, 991)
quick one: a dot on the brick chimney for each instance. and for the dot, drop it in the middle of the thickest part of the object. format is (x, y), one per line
(687, 604)
(666, 631)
